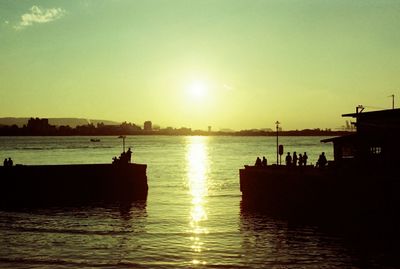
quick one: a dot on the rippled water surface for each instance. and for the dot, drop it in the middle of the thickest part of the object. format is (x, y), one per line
(192, 216)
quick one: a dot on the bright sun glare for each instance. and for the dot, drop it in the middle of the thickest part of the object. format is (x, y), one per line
(197, 89)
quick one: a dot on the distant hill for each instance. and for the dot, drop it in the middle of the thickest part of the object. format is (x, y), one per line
(73, 122)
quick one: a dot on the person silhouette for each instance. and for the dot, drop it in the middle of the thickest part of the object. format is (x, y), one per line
(10, 162)
(5, 163)
(264, 161)
(300, 159)
(129, 155)
(294, 158)
(258, 162)
(322, 160)
(305, 157)
(288, 159)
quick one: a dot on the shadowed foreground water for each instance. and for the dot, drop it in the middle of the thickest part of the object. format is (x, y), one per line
(192, 217)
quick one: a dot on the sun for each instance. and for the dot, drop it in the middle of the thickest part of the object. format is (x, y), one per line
(197, 89)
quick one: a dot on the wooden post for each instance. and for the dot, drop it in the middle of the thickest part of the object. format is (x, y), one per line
(277, 142)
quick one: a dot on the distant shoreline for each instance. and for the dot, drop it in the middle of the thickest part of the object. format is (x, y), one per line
(41, 127)
(193, 133)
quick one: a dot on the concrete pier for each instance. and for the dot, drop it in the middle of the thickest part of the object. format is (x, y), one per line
(30, 185)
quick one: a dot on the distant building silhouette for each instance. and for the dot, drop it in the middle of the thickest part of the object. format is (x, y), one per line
(40, 126)
(148, 126)
(36, 123)
(209, 129)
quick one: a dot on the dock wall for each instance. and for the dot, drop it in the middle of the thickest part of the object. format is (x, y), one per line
(71, 184)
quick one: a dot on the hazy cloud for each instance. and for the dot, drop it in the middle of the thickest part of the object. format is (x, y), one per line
(227, 87)
(39, 15)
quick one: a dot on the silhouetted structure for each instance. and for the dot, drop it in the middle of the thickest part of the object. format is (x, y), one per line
(42, 185)
(40, 126)
(361, 181)
(375, 143)
(148, 126)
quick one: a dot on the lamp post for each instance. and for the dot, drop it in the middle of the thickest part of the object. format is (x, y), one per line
(277, 142)
(392, 100)
(123, 142)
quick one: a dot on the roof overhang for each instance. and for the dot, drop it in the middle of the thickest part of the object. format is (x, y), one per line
(345, 138)
(382, 113)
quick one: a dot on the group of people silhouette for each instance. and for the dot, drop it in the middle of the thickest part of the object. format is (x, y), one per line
(125, 157)
(260, 162)
(8, 162)
(301, 160)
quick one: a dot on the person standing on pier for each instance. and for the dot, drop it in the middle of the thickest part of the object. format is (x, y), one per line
(322, 160)
(305, 157)
(129, 155)
(288, 159)
(294, 158)
(258, 162)
(264, 161)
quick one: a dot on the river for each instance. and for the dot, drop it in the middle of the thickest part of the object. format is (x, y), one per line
(192, 217)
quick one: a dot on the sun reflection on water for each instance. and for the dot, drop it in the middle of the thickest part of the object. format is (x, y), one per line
(197, 167)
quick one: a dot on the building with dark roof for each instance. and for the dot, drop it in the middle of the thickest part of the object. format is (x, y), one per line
(376, 141)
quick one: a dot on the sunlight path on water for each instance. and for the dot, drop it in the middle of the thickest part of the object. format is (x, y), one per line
(197, 169)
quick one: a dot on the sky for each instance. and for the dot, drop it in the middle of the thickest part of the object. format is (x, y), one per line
(237, 64)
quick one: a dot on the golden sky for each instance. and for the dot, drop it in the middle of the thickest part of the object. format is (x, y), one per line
(221, 63)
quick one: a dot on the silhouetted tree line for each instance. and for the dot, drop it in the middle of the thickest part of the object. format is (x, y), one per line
(41, 127)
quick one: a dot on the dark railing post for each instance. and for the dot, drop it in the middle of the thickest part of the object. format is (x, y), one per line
(277, 142)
